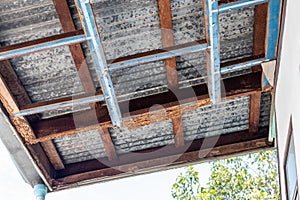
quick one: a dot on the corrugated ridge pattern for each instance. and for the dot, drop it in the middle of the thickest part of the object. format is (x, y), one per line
(80, 147)
(25, 20)
(229, 116)
(154, 135)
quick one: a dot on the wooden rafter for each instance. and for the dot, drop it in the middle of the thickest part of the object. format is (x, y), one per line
(146, 161)
(165, 17)
(178, 131)
(67, 23)
(80, 122)
(254, 113)
(260, 26)
(108, 144)
(53, 155)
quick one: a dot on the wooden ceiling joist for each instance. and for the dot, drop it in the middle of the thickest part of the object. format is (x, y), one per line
(166, 25)
(254, 113)
(108, 144)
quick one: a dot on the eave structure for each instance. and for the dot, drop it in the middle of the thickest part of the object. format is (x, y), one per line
(98, 90)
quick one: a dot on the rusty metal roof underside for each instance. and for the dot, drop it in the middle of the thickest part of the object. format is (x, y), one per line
(166, 105)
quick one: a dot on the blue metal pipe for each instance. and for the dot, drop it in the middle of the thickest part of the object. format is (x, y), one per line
(159, 56)
(213, 73)
(61, 105)
(273, 28)
(40, 191)
(44, 46)
(242, 66)
(91, 30)
(238, 5)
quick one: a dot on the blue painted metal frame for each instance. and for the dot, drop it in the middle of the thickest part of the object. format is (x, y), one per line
(91, 30)
(54, 106)
(243, 65)
(273, 28)
(213, 69)
(44, 46)
(212, 11)
(159, 56)
(238, 5)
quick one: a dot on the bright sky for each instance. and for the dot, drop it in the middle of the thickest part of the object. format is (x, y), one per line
(147, 187)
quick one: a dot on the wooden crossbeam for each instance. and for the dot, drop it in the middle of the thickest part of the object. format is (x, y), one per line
(165, 17)
(108, 144)
(67, 24)
(144, 161)
(254, 113)
(64, 125)
(53, 155)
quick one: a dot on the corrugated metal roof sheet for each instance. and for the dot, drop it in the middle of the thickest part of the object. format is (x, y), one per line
(80, 147)
(26, 20)
(154, 135)
(229, 116)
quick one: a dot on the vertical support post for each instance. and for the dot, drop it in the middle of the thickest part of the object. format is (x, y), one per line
(273, 28)
(213, 50)
(40, 191)
(91, 31)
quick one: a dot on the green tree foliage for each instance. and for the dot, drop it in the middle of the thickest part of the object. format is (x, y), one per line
(252, 176)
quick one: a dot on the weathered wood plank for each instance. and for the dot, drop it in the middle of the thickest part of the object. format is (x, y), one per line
(108, 144)
(178, 131)
(260, 29)
(254, 114)
(53, 155)
(165, 17)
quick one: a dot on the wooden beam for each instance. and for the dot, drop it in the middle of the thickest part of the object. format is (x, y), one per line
(178, 131)
(21, 123)
(67, 24)
(254, 114)
(166, 25)
(75, 123)
(260, 28)
(168, 157)
(53, 155)
(108, 144)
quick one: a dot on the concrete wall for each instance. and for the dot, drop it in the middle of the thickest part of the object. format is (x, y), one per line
(287, 99)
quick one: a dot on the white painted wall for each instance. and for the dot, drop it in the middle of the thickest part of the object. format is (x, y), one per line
(287, 97)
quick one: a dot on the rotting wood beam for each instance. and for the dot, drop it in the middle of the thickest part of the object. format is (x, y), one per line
(139, 108)
(68, 25)
(53, 155)
(254, 113)
(20, 123)
(108, 144)
(102, 169)
(165, 18)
